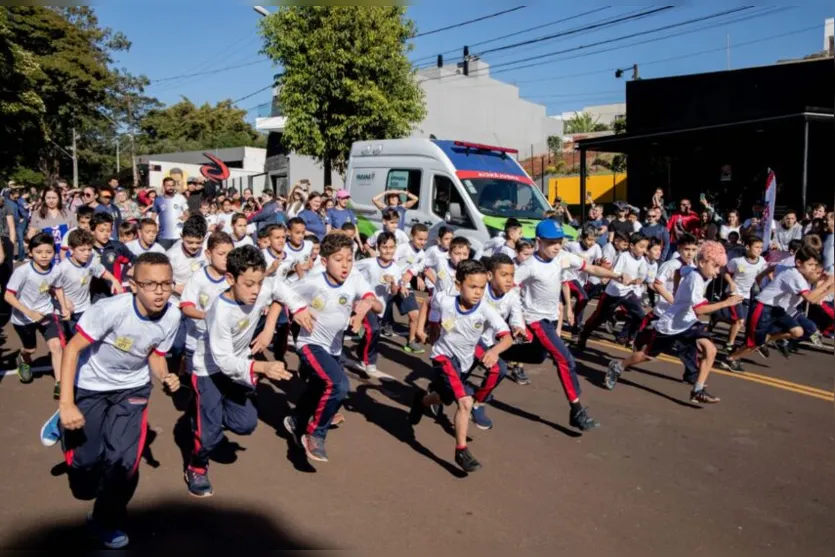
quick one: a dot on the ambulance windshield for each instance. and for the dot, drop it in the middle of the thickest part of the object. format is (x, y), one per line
(506, 198)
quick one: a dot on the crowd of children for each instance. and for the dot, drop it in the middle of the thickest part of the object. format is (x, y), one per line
(205, 309)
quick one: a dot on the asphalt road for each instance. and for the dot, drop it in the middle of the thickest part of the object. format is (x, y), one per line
(752, 475)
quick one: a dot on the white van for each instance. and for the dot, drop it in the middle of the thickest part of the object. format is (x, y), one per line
(471, 188)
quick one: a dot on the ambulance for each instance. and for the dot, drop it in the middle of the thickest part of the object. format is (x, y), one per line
(469, 187)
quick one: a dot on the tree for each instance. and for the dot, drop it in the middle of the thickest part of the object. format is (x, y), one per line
(619, 125)
(186, 127)
(346, 77)
(583, 122)
(555, 145)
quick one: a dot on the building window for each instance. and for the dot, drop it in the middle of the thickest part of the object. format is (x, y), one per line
(448, 204)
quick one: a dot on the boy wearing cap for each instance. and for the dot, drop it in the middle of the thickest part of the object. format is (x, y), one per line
(537, 278)
(341, 214)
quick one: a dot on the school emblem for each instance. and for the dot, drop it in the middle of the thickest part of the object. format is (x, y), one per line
(385, 279)
(240, 326)
(318, 303)
(43, 288)
(85, 279)
(410, 259)
(195, 266)
(448, 324)
(343, 300)
(442, 275)
(111, 258)
(306, 258)
(123, 343)
(478, 325)
(741, 268)
(204, 299)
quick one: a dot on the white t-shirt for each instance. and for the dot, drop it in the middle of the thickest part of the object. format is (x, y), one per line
(589, 255)
(461, 330)
(631, 266)
(725, 230)
(507, 250)
(32, 288)
(445, 273)
(295, 257)
(170, 211)
(785, 290)
(331, 305)
(433, 255)
(649, 279)
(540, 283)
(745, 273)
(411, 259)
(490, 246)
(136, 248)
(680, 316)
(184, 266)
(230, 326)
(200, 292)
(75, 280)
(245, 241)
(400, 238)
(373, 271)
(607, 253)
(284, 266)
(666, 277)
(508, 306)
(225, 221)
(121, 341)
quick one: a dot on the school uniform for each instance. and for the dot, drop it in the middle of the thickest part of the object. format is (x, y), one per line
(295, 256)
(433, 255)
(678, 329)
(113, 384)
(200, 292)
(577, 280)
(76, 281)
(222, 375)
(744, 273)
(241, 242)
(184, 267)
(320, 350)
(445, 282)
(509, 308)
(772, 310)
(374, 272)
(539, 282)
(456, 350)
(413, 260)
(400, 238)
(137, 248)
(33, 289)
(117, 259)
(618, 295)
(595, 285)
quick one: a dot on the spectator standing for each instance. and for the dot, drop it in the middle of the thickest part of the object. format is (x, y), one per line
(88, 197)
(172, 209)
(312, 218)
(818, 211)
(196, 194)
(270, 212)
(658, 202)
(708, 229)
(127, 207)
(393, 201)
(621, 223)
(785, 231)
(683, 222)
(298, 199)
(51, 217)
(732, 225)
(106, 205)
(7, 253)
(341, 214)
(654, 229)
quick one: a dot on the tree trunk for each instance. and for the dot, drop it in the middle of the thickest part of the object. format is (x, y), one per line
(327, 165)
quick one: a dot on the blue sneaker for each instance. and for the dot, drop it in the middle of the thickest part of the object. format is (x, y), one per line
(479, 415)
(198, 483)
(314, 447)
(111, 539)
(435, 409)
(50, 432)
(290, 426)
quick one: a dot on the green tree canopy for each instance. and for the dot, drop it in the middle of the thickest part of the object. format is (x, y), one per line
(186, 127)
(583, 122)
(346, 77)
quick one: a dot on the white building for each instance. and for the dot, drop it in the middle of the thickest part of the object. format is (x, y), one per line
(245, 164)
(601, 113)
(474, 108)
(829, 36)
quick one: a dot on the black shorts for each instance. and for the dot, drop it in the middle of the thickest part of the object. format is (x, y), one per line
(48, 327)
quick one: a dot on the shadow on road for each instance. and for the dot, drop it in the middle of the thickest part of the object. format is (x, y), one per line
(171, 526)
(504, 407)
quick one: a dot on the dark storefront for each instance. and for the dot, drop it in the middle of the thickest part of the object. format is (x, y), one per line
(718, 133)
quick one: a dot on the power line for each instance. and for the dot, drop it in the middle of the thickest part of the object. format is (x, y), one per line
(270, 86)
(516, 33)
(207, 72)
(463, 23)
(208, 61)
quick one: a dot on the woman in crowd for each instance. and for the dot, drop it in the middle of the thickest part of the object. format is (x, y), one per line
(731, 225)
(312, 217)
(52, 217)
(297, 198)
(128, 207)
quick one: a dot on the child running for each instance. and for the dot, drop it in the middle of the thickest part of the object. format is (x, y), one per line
(113, 254)
(771, 317)
(146, 241)
(223, 371)
(679, 330)
(464, 319)
(539, 279)
(105, 386)
(412, 259)
(589, 251)
(239, 231)
(29, 295)
(331, 295)
(391, 220)
(82, 215)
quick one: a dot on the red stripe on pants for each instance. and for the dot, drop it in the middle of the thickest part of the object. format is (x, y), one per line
(454, 379)
(594, 321)
(753, 321)
(580, 295)
(367, 326)
(142, 435)
(197, 421)
(326, 394)
(562, 365)
(490, 381)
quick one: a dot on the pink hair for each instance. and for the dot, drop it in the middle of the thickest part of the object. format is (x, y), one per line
(713, 251)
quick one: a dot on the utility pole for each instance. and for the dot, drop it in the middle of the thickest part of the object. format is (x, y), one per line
(118, 167)
(132, 145)
(74, 159)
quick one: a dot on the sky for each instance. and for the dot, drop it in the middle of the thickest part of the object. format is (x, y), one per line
(174, 39)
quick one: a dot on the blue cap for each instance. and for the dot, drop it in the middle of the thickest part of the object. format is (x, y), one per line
(549, 230)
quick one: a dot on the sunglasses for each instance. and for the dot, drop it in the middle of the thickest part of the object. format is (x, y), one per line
(106, 197)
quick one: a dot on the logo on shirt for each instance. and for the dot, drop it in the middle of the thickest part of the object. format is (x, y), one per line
(448, 324)
(203, 299)
(306, 258)
(240, 326)
(478, 325)
(123, 343)
(195, 266)
(318, 303)
(343, 300)
(43, 288)
(442, 275)
(111, 258)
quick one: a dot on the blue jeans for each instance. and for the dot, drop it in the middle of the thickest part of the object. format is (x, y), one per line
(327, 386)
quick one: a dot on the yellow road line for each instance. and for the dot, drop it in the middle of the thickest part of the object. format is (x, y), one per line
(762, 379)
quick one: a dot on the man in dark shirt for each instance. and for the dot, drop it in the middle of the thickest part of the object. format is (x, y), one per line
(654, 229)
(621, 223)
(196, 194)
(105, 205)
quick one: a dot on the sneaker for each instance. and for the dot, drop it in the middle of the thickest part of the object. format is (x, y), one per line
(731, 365)
(24, 371)
(518, 374)
(372, 371)
(465, 459)
(729, 348)
(50, 432)
(434, 409)
(416, 412)
(764, 352)
(290, 427)
(198, 483)
(581, 343)
(357, 366)
(414, 347)
(613, 372)
(479, 416)
(56, 391)
(582, 421)
(337, 420)
(608, 326)
(387, 331)
(815, 339)
(711, 324)
(783, 348)
(111, 539)
(703, 397)
(314, 447)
